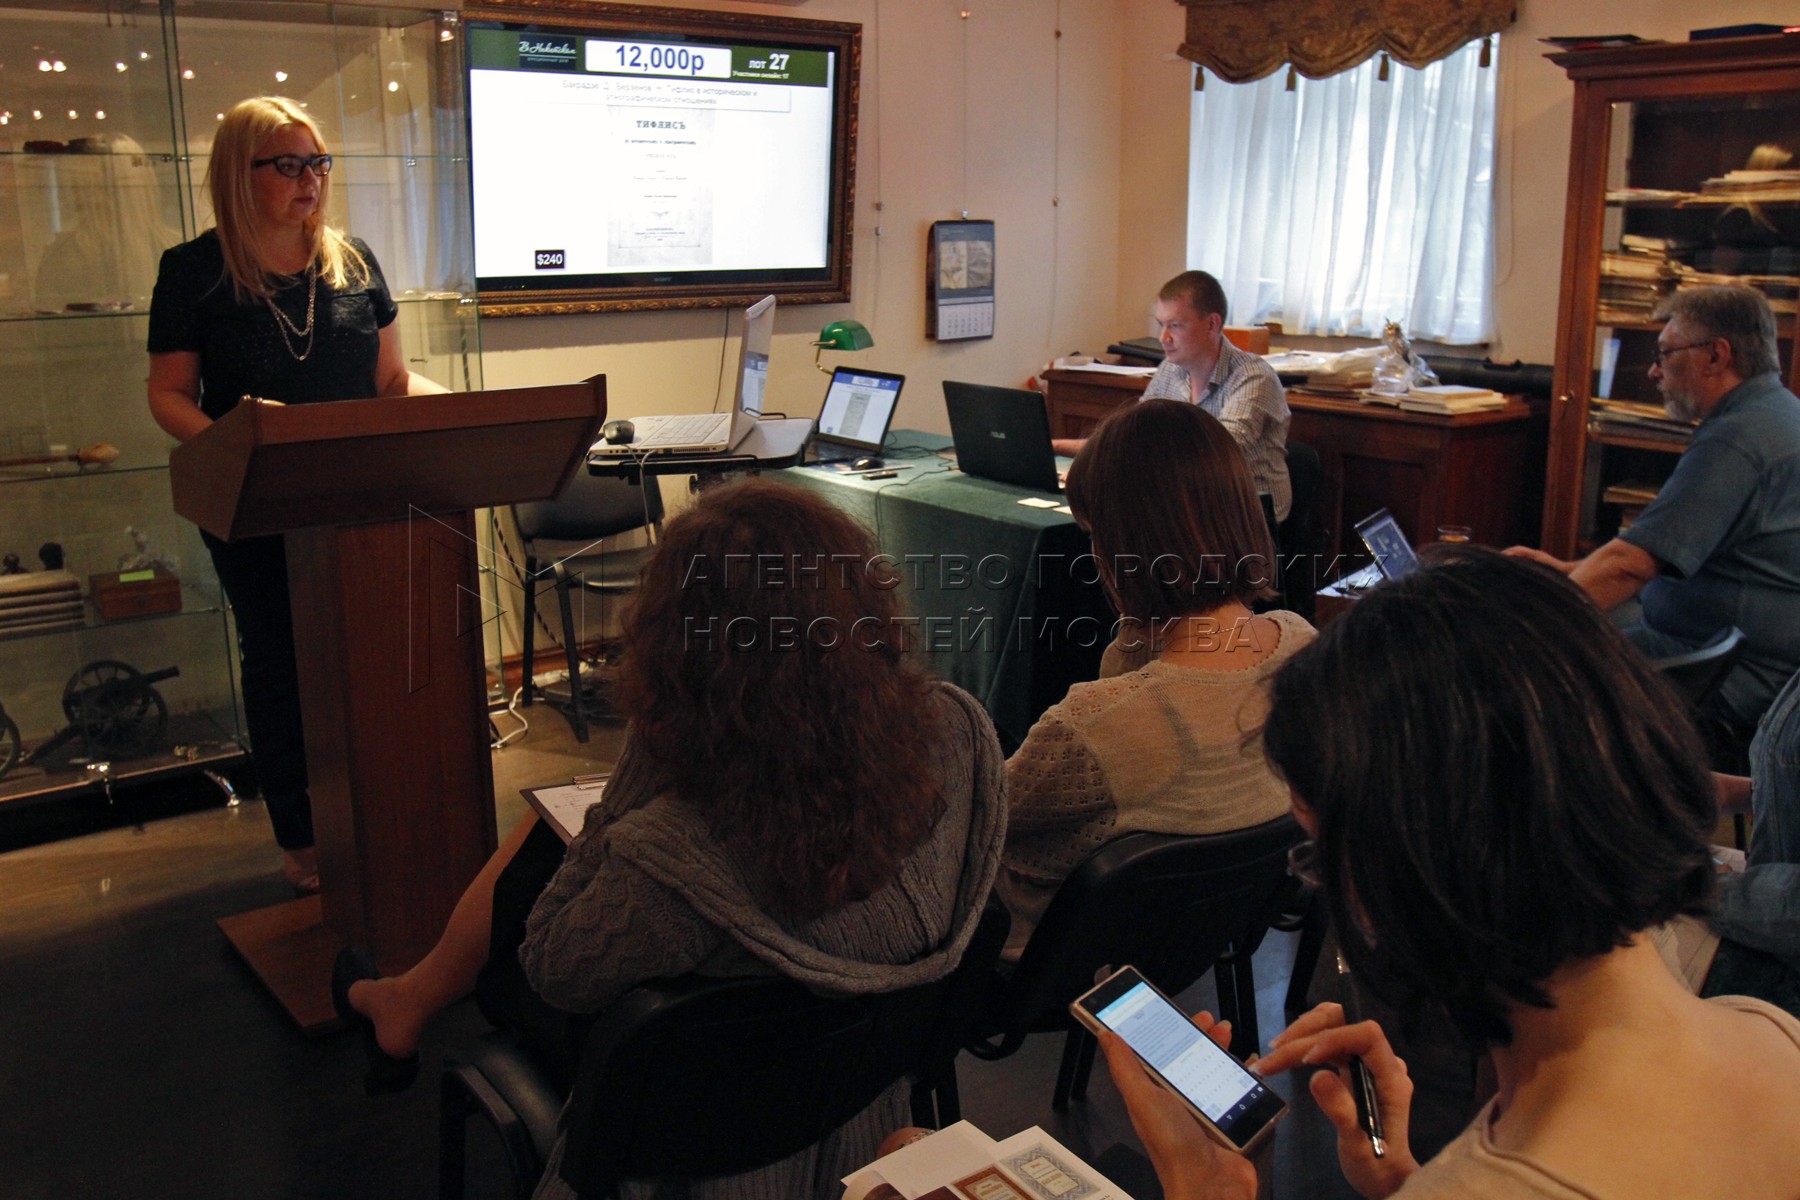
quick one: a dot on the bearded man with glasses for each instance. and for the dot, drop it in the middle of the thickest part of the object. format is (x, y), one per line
(1720, 545)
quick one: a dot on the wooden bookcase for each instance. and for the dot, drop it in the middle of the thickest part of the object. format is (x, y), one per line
(1653, 125)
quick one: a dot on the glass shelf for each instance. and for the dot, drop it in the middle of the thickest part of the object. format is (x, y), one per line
(92, 621)
(189, 742)
(65, 315)
(12, 475)
(86, 223)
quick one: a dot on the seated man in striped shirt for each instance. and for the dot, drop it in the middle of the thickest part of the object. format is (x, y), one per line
(1239, 388)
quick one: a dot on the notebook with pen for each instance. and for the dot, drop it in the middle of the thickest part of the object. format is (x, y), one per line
(564, 807)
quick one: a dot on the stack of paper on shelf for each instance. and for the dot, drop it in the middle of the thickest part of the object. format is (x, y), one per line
(1754, 185)
(1665, 248)
(1782, 291)
(1634, 417)
(1632, 284)
(1448, 399)
(962, 1163)
(1632, 499)
(35, 601)
(1644, 195)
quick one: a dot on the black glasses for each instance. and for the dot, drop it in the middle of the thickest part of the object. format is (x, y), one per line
(1303, 863)
(1663, 352)
(292, 165)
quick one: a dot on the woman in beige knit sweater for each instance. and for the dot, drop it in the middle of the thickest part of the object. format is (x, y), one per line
(1166, 739)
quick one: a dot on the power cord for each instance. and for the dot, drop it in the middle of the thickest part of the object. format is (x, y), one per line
(511, 710)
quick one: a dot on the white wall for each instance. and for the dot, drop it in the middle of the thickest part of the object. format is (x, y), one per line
(1531, 176)
(1042, 162)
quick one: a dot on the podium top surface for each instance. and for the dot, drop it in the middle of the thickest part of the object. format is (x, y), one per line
(269, 468)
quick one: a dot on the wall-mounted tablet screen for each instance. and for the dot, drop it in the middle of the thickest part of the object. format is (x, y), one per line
(644, 158)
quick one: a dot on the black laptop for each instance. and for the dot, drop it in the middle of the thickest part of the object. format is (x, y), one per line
(1002, 434)
(859, 406)
(1386, 541)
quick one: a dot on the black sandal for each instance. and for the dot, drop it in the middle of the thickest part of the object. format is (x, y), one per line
(387, 1074)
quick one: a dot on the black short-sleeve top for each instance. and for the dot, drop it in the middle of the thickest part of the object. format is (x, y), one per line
(242, 348)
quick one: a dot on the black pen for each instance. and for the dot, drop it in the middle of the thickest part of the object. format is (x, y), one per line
(1362, 1084)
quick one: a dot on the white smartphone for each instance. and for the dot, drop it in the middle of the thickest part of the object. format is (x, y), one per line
(1233, 1105)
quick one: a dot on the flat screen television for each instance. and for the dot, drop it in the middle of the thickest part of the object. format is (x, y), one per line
(624, 157)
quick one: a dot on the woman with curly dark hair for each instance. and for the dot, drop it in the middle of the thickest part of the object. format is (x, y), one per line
(793, 798)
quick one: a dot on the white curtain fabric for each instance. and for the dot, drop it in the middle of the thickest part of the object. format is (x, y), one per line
(1350, 201)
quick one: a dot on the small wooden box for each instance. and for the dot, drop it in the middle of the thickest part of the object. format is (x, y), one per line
(118, 595)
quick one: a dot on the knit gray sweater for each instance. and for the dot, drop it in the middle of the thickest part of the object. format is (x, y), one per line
(647, 892)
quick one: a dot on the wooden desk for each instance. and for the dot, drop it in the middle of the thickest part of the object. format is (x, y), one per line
(1484, 470)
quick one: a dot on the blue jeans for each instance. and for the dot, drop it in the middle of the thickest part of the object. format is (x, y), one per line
(1775, 772)
(1761, 907)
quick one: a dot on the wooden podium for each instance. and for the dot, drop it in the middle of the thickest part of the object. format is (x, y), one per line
(375, 497)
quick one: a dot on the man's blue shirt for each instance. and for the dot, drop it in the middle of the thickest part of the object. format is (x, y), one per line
(1726, 529)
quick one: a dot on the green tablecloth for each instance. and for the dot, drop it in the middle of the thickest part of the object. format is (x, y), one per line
(1007, 601)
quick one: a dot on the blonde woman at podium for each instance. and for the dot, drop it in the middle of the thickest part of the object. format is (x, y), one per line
(271, 302)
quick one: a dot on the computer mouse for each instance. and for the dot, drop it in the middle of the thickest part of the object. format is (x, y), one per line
(866, 462)
(618, 433)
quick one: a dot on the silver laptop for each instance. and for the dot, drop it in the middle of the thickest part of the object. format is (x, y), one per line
(710, 433)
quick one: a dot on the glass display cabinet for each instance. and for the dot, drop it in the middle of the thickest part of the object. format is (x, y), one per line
(1684, 170)
(117, 658)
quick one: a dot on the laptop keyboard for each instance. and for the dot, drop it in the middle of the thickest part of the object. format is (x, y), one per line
(687, 429)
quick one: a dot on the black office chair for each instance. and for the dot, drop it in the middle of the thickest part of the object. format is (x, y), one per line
(1697, 676)
(698, 1077)
(1297, 538)
(562, 543)
(1172, 905)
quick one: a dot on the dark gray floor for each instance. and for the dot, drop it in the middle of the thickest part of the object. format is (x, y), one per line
(140, 1059)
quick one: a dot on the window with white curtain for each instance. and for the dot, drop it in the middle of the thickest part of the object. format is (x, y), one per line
(1350, 201)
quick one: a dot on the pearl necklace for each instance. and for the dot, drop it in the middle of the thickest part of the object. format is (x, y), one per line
(286, 325)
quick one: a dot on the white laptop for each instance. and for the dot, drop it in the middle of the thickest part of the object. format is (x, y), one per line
(710, 433)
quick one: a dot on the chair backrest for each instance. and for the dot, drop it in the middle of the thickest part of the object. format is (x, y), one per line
(695, 1078)
(1297, 539)
(1167, 904)
(590, 508)
(1304, 469)
(1698, 673)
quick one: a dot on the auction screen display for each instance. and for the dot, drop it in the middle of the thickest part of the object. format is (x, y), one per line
(607, 160)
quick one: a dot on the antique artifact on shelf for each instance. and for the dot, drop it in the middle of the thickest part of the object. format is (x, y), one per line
(112, 710)
(117, 595)
(99, 454)
(10, 746)
(35, 601)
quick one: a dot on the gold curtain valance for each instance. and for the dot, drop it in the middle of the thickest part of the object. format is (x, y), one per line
(1241, 40)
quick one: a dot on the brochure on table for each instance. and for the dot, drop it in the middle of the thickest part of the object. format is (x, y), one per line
(962, 1163)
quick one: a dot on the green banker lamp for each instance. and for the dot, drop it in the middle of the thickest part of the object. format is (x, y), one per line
(841, 335)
